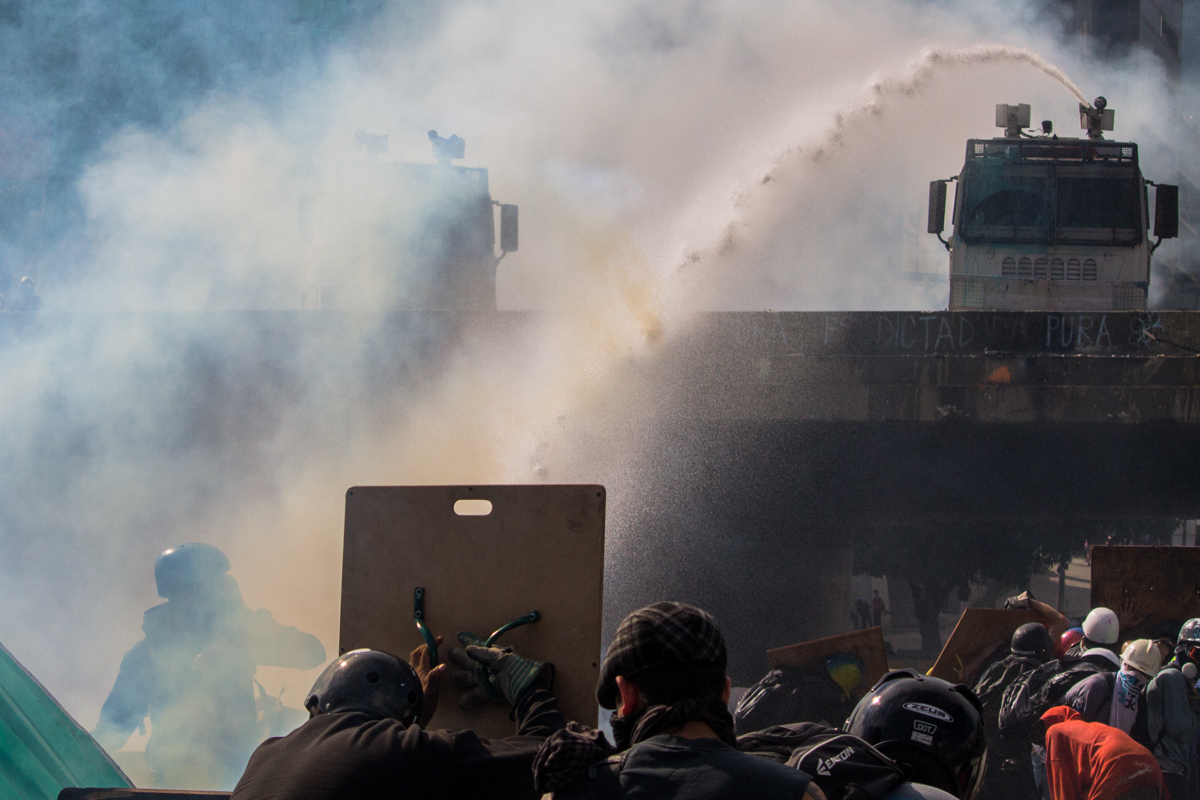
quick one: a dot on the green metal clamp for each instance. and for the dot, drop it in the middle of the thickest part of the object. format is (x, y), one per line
(419, 618)
(532, 616)
(484, 675)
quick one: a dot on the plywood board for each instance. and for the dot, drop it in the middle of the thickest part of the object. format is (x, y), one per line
(541, 548)
(978, 633)
(866, 645)
(1147, 585)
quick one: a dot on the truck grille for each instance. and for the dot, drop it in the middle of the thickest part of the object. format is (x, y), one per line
(966, 293)
(1128, 297)
(1041, 269)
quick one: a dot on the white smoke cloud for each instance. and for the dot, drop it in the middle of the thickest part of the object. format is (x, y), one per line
(636, 138)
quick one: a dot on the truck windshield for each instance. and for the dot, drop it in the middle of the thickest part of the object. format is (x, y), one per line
(1006, 203)
(1043, 203)
(1096, 210)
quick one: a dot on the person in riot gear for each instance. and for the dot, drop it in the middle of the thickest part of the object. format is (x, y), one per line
(193, 672)
(27, 299)
(365, 737)
(1010, 774)
(928, 725)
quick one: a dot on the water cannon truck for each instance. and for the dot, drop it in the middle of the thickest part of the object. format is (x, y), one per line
(391, 235)
(1047, 223)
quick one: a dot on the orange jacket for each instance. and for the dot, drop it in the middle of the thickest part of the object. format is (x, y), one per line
(1092, 761)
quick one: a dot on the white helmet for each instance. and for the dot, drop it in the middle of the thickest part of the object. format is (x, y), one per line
(1101, 626)
(1142, 655)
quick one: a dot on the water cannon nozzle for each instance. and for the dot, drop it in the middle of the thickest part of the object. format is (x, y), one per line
(446, 149)
(1097, 118)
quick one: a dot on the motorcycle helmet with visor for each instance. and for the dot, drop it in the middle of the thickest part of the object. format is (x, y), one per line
(934, 728)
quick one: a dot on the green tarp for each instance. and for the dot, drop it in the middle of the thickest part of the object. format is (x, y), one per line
(43, 750)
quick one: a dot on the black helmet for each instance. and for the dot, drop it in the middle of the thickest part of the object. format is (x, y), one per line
(927, 724)
(369, 681)
(188, 565)
(1032, 640)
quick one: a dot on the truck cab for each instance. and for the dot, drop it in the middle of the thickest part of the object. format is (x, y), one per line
(1048, 223)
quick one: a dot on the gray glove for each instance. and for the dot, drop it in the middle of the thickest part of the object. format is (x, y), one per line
(494, 673)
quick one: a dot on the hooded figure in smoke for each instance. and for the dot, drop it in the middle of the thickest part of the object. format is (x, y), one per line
(193, 672)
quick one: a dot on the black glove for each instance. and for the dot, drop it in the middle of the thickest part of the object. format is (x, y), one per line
(1019, 602)
(494, 673)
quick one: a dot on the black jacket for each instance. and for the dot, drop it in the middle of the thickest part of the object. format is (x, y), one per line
(688, 769)
(355, 755)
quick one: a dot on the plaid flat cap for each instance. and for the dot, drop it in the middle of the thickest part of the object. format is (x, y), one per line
(657, 636)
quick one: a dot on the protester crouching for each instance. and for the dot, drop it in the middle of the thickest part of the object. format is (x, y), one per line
(664, 678)
(365, 737)
(1101, 631)
(1094, 761)
(1010, 773)
(1113, 698)
(1027, 699)
(933, 729)
(1171, 716)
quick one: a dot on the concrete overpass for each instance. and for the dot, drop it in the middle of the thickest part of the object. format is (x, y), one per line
(763, 439)
(791, 431)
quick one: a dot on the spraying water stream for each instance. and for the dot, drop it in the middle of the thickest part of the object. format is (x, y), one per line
(912, 81)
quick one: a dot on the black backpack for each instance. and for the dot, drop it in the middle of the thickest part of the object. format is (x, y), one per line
(996, 679)
(1036, 692)
(786, 695)
(843, 765)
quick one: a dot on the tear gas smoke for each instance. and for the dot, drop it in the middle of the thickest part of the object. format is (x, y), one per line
(629, 133)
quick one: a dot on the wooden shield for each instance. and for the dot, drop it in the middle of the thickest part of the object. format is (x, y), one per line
(1146, 585)
(541, 548)
(978, 633)
(866, 645)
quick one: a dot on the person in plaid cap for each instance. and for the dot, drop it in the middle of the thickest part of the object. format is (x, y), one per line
(664, 678)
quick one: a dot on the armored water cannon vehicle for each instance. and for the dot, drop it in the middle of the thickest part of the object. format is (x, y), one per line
(387, 235)
(1042, 222)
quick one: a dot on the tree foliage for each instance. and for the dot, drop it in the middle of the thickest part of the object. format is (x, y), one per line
(934, 560)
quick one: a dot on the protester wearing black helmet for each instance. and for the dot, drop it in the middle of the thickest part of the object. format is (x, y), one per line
(1010, 774)
(1030, 647)
(931, 727)
(365, 738)
(193, 672)
(664, 676)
